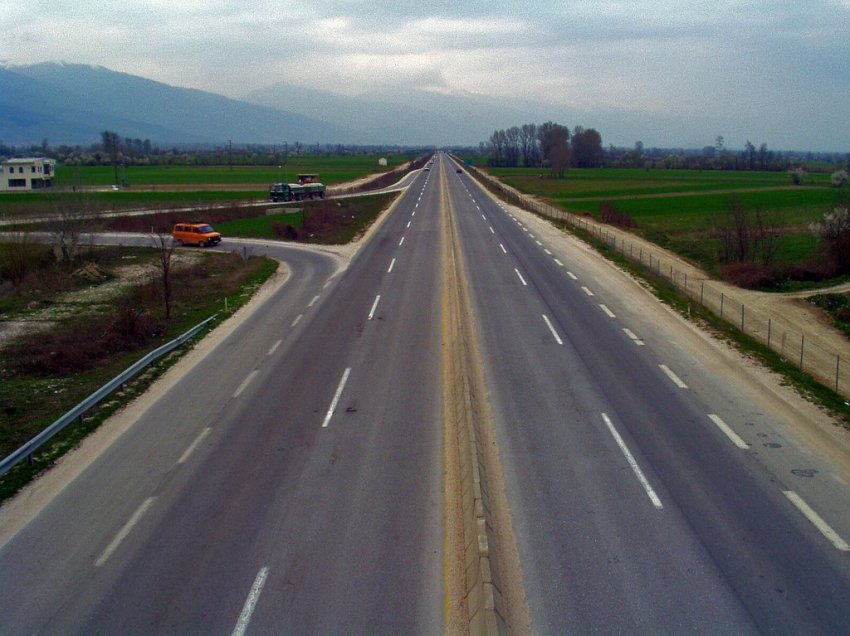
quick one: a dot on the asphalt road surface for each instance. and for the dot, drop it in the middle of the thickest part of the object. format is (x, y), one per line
(292, 482)
(636, 506)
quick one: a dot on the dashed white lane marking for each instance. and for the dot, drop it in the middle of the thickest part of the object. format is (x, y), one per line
(522, 280)
(816, 519)
(245, 383)
(571, 275)
(492, 231)
(194, 445)
(539, 243)
(274, 347)
(548, 253)
(314, 301)
(631, 334)
(675, 378)
(530, 235)
(732, 435)
(587, 291)
(552, 329)
(336, 397)
(560, 264)
(251, 602)
(413, 213)
(503, 248)
(635, 468)
(607, 311)
(124, 531)
(297, 320)
(401, 242)
(374, 306)
(392, 264)
(408, 223)
(483, 217)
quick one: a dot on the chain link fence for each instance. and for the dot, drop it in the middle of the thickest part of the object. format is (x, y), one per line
(804, 349)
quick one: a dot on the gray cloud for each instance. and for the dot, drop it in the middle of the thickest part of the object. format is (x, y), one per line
(757, 64)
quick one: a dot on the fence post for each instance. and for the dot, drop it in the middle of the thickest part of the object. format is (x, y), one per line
(837, 363)
(701, 293)
(769, 325)
(721, 304)
(802, 348)
(742, 318)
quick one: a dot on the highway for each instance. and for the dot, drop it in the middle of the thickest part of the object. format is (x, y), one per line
(636, 507)
(292, 481)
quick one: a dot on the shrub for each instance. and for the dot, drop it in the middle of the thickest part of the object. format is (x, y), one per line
(748, 275)
(609, 214)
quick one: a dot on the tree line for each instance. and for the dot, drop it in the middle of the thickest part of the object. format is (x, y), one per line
(549, 145)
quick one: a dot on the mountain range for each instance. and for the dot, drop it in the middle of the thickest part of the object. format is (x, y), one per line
(74, 103)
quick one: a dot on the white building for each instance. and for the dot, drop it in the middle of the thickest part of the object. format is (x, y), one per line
(30, 173)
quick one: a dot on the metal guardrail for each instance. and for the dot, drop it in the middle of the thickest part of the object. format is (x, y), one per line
(27, 450)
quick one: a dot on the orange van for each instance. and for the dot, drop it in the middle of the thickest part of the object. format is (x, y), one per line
(200, 234)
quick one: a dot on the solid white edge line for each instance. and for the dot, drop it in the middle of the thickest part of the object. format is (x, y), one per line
(818, 522)
(251, 602)
(607, 311)
(633, 463)
(587, 291)
(336, 397)
(374, 306)
(552, 329)
(675, 378)
(503, 248)
(274, 347)
(245, 383)
(392, 264)
(401, 241)
(732, 435)
(194, 445)
(520, 277)
(314, 301)
(571, 275)
(124, 531)
(297, 320)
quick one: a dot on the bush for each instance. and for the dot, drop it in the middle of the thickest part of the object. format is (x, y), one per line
(748, 275)
(608, 213)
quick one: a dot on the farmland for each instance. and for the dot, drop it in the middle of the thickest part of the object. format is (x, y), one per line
(164, 187)
(679, 209)
(333, 169)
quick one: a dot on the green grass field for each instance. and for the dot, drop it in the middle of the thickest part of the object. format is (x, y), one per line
(260, 226)
(678, 208)
(331, 169)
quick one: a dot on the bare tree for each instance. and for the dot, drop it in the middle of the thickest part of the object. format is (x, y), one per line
(164, 245)
(71, 218)
(747, 237)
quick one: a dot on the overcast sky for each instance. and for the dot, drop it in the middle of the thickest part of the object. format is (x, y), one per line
(769, 71)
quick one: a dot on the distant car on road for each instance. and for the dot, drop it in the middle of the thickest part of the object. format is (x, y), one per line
(459, 171)
(197, 233)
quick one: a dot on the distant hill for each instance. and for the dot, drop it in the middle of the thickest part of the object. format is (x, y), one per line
(413, 117)
(73, 103)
